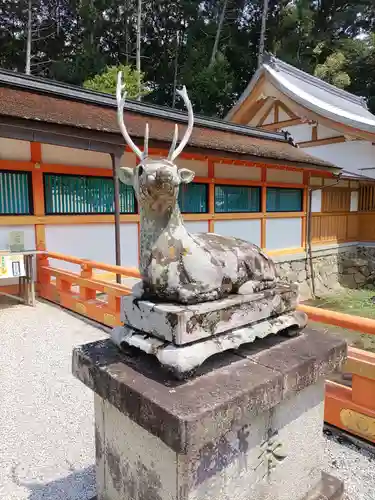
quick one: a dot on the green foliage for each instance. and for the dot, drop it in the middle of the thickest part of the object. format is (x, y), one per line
(332, 70)
(80, 41)
(107, 80)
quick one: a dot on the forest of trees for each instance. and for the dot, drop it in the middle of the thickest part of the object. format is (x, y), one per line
(211, 46)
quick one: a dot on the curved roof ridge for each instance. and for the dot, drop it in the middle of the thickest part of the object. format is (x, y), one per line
(279, 65)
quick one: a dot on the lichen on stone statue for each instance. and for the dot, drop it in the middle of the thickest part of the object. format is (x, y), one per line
(175, 265)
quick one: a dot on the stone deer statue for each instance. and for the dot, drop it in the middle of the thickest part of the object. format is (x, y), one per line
(177, 266)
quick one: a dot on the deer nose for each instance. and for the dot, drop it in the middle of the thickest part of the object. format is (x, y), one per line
(164, 175)
(151, 178)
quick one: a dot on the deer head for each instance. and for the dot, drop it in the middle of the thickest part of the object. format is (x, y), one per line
(155, 182)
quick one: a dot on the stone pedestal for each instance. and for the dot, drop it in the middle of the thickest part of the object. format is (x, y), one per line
(248, 427)
(182, 337)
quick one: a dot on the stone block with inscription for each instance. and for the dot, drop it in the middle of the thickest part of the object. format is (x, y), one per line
(247, 426)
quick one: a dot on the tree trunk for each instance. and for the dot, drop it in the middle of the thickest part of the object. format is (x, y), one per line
(126, 31)
(138, 60)
(175, 73)
(92, 22)
(28, 39)
(262, 34)
(218, 33)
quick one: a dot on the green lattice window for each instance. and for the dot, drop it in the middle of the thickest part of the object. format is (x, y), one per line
(78, 194)
(192, 198)
(237, 199)
(15, 193)
(284, 200)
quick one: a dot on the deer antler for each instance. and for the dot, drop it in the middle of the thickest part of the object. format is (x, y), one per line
(173, 153)
(120, 97)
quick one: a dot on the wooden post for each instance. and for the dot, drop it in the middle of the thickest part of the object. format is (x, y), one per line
(115, 157)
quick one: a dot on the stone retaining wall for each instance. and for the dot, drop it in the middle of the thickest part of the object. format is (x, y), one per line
(347, 267)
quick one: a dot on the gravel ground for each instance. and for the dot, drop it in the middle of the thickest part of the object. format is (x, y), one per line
(353, 465)
(46, 415)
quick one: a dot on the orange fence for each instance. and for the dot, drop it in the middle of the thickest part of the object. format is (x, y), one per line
(351, 405)
(348, 406)
(84, 293)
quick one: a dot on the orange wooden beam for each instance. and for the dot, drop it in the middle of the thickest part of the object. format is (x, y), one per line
(322, 142)
(106, 172)
(283, 124)
(126, 271)
(263, 209)
(211, 195)
(357, 323)
(16, 165)
(36, 152)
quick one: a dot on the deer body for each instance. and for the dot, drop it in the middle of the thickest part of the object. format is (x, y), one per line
(177, 266)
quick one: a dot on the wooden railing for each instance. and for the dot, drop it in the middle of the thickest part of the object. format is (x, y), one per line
(350, 399)
(83, 292)
(339, 227)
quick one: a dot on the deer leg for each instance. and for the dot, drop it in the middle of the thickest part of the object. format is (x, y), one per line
(253, 286)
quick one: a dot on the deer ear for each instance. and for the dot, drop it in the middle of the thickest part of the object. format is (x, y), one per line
(186, 175)
(126, 175)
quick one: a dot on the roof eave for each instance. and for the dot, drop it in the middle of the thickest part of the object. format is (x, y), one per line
(282, 66)
(356, 125)
(254, 80)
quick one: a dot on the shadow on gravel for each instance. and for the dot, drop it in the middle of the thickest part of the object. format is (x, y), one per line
(79, 485)
(353, 443)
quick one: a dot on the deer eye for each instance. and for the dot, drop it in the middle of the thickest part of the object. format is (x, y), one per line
(140, 170)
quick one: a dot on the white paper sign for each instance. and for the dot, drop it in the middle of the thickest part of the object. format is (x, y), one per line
(17, 241)
(11, 266)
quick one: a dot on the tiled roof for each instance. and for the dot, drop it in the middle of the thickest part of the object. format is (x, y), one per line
(313, 94)
(84, 113)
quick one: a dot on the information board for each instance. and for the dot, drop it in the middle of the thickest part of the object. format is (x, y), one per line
(12, 266)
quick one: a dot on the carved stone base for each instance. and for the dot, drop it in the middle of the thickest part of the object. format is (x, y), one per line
(182, 324)
(182, 360)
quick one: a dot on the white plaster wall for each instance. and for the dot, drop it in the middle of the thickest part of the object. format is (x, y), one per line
(76, 157)
(283, 116)
(300, 133)
(226, 171)
(94, 242)
(270, 117)
(129, 160)
(316, 181)
(199, 167)
(11, 149)
(200, 226)
(277, 175)
(341, 184)
(283, 233)
(248, 230)
(316, 200)
(353, 156)
(82, 158)
(29, 236)
(354, 201)
(325, 132)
